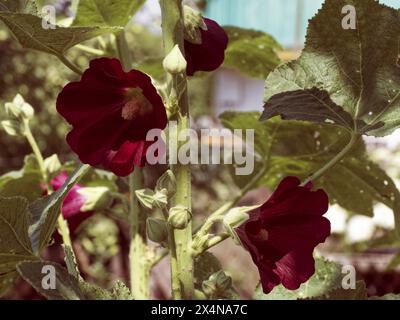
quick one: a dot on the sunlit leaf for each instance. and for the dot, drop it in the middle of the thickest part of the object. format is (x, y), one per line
(111, 13)
(254, 53)
(343, 74)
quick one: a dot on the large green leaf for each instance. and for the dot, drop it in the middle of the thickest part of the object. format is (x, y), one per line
(45, 211)
(347, 77)
(254, 53)
(300, 148)
(14, 241)
(327, 277)
(67, 286)
(28, 30)
(112, 13)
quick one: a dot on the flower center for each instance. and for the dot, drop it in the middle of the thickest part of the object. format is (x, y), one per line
(262, 235)
(137, 105)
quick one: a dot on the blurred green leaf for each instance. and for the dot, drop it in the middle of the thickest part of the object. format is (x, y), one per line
(253, 53)
(359, 293)
(28, 30)
(25, 182)
(111, 13)
(14, 241)
(45, 211)
(327, 276)
(339, 78)
(22, 6)
(67, 287)
(300, 148)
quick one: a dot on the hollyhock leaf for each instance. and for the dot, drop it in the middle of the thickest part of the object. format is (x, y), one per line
(24, 182)
(327, 276)
(299, 148)
(358, 69)
(253, 53)
(27, 186)
(359, 293)
(67, 286)
(28, 30)
(110, 13)
(45, 211)
(15, 246)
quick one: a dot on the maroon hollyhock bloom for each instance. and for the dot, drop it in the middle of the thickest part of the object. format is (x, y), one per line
(210, 53)
(111, 112)
(281, 235)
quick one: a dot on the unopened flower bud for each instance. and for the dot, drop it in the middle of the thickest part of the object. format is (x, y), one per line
(193, 23)
(13, 127)
(157, 230)
(175, 62)
(167, 183)
(179, 217)
(96, 198)
(160, 199)
(19, 109)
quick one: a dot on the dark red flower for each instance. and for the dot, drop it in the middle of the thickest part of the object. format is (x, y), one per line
(210, 53)
(111, 112)
(281, 235)
(73, 203)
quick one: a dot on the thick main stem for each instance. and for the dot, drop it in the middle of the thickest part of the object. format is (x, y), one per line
(139, 264)
(138, 260)
(182, 273)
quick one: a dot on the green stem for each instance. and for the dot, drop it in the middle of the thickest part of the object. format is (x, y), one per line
(354, 139)
(70, 65)
(90, 50)
(36, 151)
(138, 261)
(182, 273)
